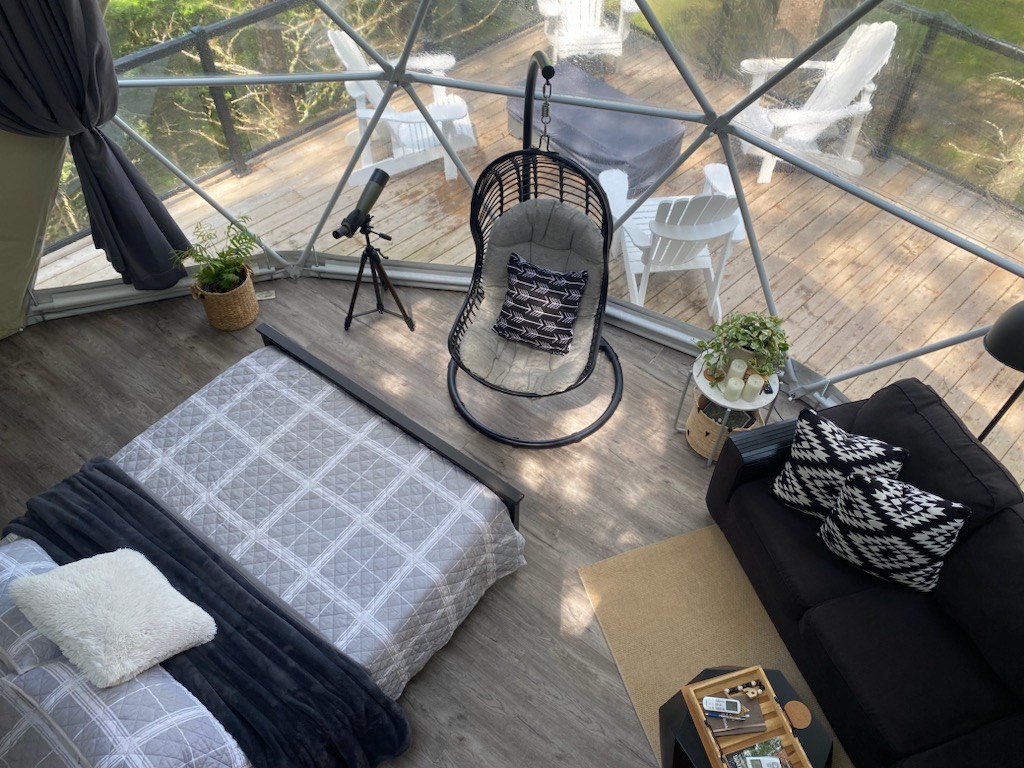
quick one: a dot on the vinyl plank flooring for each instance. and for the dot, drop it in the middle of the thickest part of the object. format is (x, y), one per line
(528, 679)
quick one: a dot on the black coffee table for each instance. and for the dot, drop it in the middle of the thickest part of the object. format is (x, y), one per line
(681, 746)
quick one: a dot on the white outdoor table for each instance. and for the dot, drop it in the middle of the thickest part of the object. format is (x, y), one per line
(714, 394)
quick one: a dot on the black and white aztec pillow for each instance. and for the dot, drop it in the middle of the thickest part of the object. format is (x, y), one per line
(822, 456)
(893, 530)
(541, 306)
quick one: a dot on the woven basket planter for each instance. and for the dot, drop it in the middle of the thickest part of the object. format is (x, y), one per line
(702, 430)
(233, 310)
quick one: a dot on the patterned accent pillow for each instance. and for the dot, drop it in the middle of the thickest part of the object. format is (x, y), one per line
(893, 530)
(541, 306)
(822, 456)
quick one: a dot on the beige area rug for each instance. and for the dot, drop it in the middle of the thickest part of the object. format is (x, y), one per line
(673, 608)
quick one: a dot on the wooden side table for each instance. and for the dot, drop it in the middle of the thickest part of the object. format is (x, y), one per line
(714, 394)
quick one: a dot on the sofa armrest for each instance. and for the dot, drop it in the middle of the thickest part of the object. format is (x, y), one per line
(748, 456)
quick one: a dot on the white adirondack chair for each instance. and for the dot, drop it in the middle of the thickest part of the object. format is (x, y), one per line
(671, 234)
(413, 143)
(577, 28)
(843, 93)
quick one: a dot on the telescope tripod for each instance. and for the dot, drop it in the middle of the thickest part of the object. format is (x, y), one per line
(373, 256)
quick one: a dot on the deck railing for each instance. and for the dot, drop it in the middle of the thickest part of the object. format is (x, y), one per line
(899, 126)
(236, 147)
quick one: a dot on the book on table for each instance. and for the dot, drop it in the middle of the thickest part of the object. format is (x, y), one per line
(770, 753)
(752, 722)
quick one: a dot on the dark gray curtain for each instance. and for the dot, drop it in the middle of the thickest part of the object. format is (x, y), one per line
(57, 79)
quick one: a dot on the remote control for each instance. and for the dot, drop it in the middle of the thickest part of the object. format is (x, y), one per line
(725, 706)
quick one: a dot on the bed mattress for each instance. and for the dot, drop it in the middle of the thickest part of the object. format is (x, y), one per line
(381, 543)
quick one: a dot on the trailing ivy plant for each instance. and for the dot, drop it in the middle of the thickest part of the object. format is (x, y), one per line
(220, 269)
(753, 331)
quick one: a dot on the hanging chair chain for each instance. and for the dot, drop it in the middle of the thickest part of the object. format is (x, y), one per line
(544, 142)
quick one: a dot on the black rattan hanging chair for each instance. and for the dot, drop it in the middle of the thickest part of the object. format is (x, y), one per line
(550, 211)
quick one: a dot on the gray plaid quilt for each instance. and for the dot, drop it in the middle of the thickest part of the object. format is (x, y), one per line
(381, 543)
(151, 721)
(22, 646)
(29, 738)
(50, 715)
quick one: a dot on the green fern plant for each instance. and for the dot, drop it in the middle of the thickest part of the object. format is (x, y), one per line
(220, 269)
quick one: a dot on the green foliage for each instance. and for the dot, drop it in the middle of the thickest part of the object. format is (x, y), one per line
(716, 33)
(183, 121)
(220, 270)
(754, 331)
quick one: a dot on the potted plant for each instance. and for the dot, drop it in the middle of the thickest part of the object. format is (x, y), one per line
(752, 335)
(223, 281)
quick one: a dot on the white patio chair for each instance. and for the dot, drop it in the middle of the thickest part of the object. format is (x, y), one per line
(413, 143)
(577, 28)
(671, 234)
(843, 93)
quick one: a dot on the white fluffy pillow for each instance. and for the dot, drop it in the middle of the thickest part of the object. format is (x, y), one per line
(113, 615)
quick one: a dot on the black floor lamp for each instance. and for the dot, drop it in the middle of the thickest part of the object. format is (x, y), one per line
(1005, 342)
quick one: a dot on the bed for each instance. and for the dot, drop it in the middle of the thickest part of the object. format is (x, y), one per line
(367, 526)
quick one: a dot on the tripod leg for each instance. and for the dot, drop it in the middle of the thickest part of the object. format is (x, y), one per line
(375, 269)
(394, 294)
(355, 292)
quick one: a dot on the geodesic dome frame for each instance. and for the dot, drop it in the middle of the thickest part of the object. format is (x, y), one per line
(716, 126)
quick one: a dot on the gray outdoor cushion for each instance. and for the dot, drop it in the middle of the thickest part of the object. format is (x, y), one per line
(555, 236)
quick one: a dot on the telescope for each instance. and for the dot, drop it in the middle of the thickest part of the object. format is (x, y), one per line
(359, 221)
(352, 223)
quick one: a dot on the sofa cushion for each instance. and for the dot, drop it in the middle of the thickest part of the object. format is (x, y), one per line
(982, 589)
(843, 415)
(945, 458)
(821, 458)
(795, 565)
(893, 530)
(896, 675)
(998, 743)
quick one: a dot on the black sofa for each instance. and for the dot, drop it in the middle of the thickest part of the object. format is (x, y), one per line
(907, 679)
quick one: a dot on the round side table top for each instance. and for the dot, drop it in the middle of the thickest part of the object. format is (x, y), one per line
(714, 394)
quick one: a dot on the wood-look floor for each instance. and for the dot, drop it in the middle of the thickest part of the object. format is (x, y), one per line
(527, 680)
(854, 284)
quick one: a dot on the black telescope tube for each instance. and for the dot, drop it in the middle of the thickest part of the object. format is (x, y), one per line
(351, 224)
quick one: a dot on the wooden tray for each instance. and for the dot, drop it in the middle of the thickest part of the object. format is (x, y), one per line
(774, 718)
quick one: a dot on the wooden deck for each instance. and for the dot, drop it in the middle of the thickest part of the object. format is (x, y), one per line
(854, 284)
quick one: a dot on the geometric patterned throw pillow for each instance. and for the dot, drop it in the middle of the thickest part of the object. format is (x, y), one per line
(823, 456)
(540, 306)
(893, 530)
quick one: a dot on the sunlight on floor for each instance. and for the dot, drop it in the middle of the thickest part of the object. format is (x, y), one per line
(577, 612)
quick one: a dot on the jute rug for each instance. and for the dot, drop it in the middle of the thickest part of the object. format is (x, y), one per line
(673, 608)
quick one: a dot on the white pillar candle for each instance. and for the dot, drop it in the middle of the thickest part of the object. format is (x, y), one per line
(752, 389)
(737, 369)
(732, 389)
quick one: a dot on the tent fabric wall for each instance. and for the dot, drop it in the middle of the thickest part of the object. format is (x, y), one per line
(31, 175)
(57, 79)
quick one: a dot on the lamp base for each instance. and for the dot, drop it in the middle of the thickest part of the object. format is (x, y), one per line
(1006, 406)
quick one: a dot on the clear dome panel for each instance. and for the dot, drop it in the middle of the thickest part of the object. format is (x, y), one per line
(685, 293)
(713, 37)
(822, 112)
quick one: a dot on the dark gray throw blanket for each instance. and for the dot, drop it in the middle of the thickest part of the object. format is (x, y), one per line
(287, 696)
